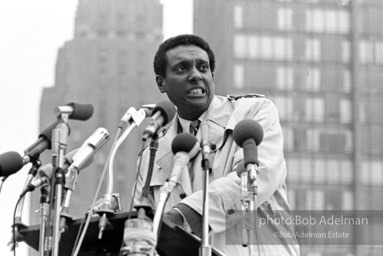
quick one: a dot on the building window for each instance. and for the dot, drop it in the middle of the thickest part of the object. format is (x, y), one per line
(320, 174)
(285, 78)
(314, 109)
(267, 47)
(346, 80)
(239, 74)
(253, 47)
(347, 171)
(372, 172)
(330, 21)
(347, 200)
(365, 52)
(285, 18)
(240, 46)
(293, 169)
(312, 48)
(344, 21)
(284, 105)
(314, 20)
(282, 48)
(333, 171)
(313, 79)
(379, 52)
(346, 51)
(313, 140)
(336, 141)
(288, 140)
(345, 111)
(238, 16)
(315, 199)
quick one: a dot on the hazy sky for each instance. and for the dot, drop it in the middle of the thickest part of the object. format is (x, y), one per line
(31, 34)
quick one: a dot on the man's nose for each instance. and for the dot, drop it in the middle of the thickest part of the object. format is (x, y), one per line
(195, 75)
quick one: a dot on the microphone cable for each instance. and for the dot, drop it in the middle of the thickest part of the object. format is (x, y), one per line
(13, 240)
(137, 175)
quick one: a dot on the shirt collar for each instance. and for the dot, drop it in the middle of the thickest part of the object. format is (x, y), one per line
(185, 124)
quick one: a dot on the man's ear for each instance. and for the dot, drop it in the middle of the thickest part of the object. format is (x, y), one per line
(160, 83)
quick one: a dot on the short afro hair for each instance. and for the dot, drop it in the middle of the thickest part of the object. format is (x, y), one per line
(160, 60)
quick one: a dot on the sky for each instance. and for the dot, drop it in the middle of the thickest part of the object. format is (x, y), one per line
(31, 33)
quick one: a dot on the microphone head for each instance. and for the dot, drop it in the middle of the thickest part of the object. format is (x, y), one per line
(47, 133)
(184, 142)
(248, 129)
(45, 171)
(167, 109)
(81, 111)
(10, 163)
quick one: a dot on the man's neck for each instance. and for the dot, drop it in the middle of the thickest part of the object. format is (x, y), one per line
(191, 116)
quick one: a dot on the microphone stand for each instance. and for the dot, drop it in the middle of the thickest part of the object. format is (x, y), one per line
(44, 210)
(111, 203)
(59, 143)
(249, 202)
(252, 170)
(205, 249)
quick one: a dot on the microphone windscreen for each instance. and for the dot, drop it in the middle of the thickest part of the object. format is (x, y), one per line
(47, 133)
(248, 129)
(183, 142)
(45, 170)
(69, 159)
(10, 162)
(81, 111)
(167, 109)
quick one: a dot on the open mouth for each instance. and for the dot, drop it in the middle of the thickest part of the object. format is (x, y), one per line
(196, 92)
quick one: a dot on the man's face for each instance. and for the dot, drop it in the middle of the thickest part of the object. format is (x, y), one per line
(189, 80)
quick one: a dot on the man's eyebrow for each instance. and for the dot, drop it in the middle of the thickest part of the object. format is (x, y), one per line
(181, 62)
(188, 62)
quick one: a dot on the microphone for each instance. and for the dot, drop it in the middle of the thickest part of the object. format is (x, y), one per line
(185, 146)
(84, 155)
(10, 163)
(81, 159)
(163, 112)
(45, 172)
(42, 178)
(76, 111)
(131, 112)
(89, 148)
(248, 134)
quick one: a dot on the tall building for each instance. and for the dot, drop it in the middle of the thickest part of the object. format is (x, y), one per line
(321, 63)
(108, 64)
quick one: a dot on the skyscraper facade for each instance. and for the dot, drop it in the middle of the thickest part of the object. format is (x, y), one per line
(321, 63)
(108, 64)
